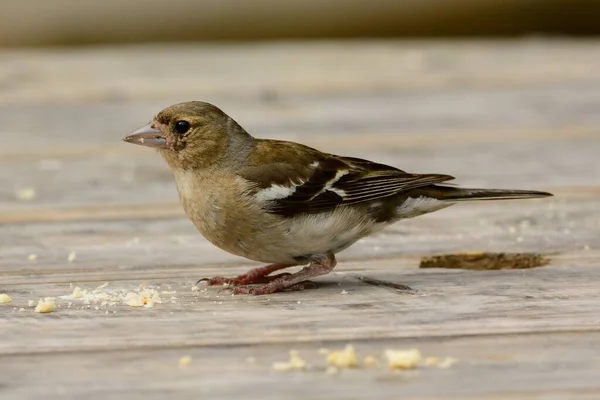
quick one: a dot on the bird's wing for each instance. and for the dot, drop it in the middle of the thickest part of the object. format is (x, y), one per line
(325, 181)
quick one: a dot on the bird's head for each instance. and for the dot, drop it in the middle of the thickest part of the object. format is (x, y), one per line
(193, 134)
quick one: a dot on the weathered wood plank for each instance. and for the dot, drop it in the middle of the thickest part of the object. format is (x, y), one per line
(520, 115)
(122, 73)
(543, 366)
(118, 246)
(560, 297)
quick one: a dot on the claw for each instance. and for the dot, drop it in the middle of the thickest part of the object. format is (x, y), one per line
(231, 288)
(202, 280)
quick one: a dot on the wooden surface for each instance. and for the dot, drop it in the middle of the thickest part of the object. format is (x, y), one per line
(499, 114)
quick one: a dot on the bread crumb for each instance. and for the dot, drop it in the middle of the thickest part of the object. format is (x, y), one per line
(403, 359)
(21, 309)
(32, 257)
(195, 288)
(77, 293)
(144, 298)
(185, 361)
(324, 351)
(251, 360)
(104, 285)
(344, 292)
(25, 194)
(447, 362)
(432, 361)
(370, 361)
(133, 299)
(343, 359)
(331, 370)
(46, 305)
(31, 303)
(294, 363)
(4, 298)
(71, 257)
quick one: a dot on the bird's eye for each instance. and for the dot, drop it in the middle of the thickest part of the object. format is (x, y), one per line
(182, 127)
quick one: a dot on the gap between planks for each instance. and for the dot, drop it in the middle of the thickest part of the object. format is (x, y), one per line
(155, 211)
(370, 140)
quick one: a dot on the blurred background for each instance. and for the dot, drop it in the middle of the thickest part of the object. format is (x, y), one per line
(69, 22)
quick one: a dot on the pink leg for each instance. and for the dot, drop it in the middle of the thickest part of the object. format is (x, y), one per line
(255, 275)
(320, 266)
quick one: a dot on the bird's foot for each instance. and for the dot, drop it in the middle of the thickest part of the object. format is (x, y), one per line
(256, 275)
(291, 282)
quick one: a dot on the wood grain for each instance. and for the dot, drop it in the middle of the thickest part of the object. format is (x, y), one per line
(502, 114)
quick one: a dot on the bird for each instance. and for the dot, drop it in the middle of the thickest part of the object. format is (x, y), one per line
(283, 203)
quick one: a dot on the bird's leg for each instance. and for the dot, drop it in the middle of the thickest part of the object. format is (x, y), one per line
(255, 275)
(320, 266)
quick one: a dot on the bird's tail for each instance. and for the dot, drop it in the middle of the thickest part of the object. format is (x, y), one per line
(455, 194)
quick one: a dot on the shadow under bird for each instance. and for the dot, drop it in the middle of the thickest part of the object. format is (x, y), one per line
(284, 203)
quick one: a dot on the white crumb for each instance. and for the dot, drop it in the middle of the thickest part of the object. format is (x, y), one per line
(403, 359)
(345, 358)
(4, 298)
(295, 363)
(25, 194)
(185, 361)
(46, 305)
(71, 257)
(32, 257)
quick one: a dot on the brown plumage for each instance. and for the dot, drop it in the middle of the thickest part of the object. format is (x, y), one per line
(282, 202)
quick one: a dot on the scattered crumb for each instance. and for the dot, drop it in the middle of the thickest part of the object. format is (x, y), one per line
(344, 292)
(331, 370)
(104, 285)
(323, 351)
(370, 361)
(447, 362)
(294, 363)
(32, 257)
(31, 303)
(77, 293)
(25, 194)
(512, 230)
(586, 247)
(251, 360)
(134, 299)
(432, 361)
(195, 288)
(343, 359)
(4, 298)
(485, 261)
(46, 305)
(144, 298)
(71, 257)
(403, 359)
(185, 361)
(21, 309)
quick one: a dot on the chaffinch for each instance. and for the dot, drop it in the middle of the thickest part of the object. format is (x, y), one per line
(282, 202)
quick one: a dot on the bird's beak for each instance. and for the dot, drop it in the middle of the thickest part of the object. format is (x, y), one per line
(148, 136)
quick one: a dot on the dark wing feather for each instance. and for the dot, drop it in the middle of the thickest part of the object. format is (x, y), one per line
(324, 181)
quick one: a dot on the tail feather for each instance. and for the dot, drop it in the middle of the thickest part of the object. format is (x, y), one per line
(455, 194)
